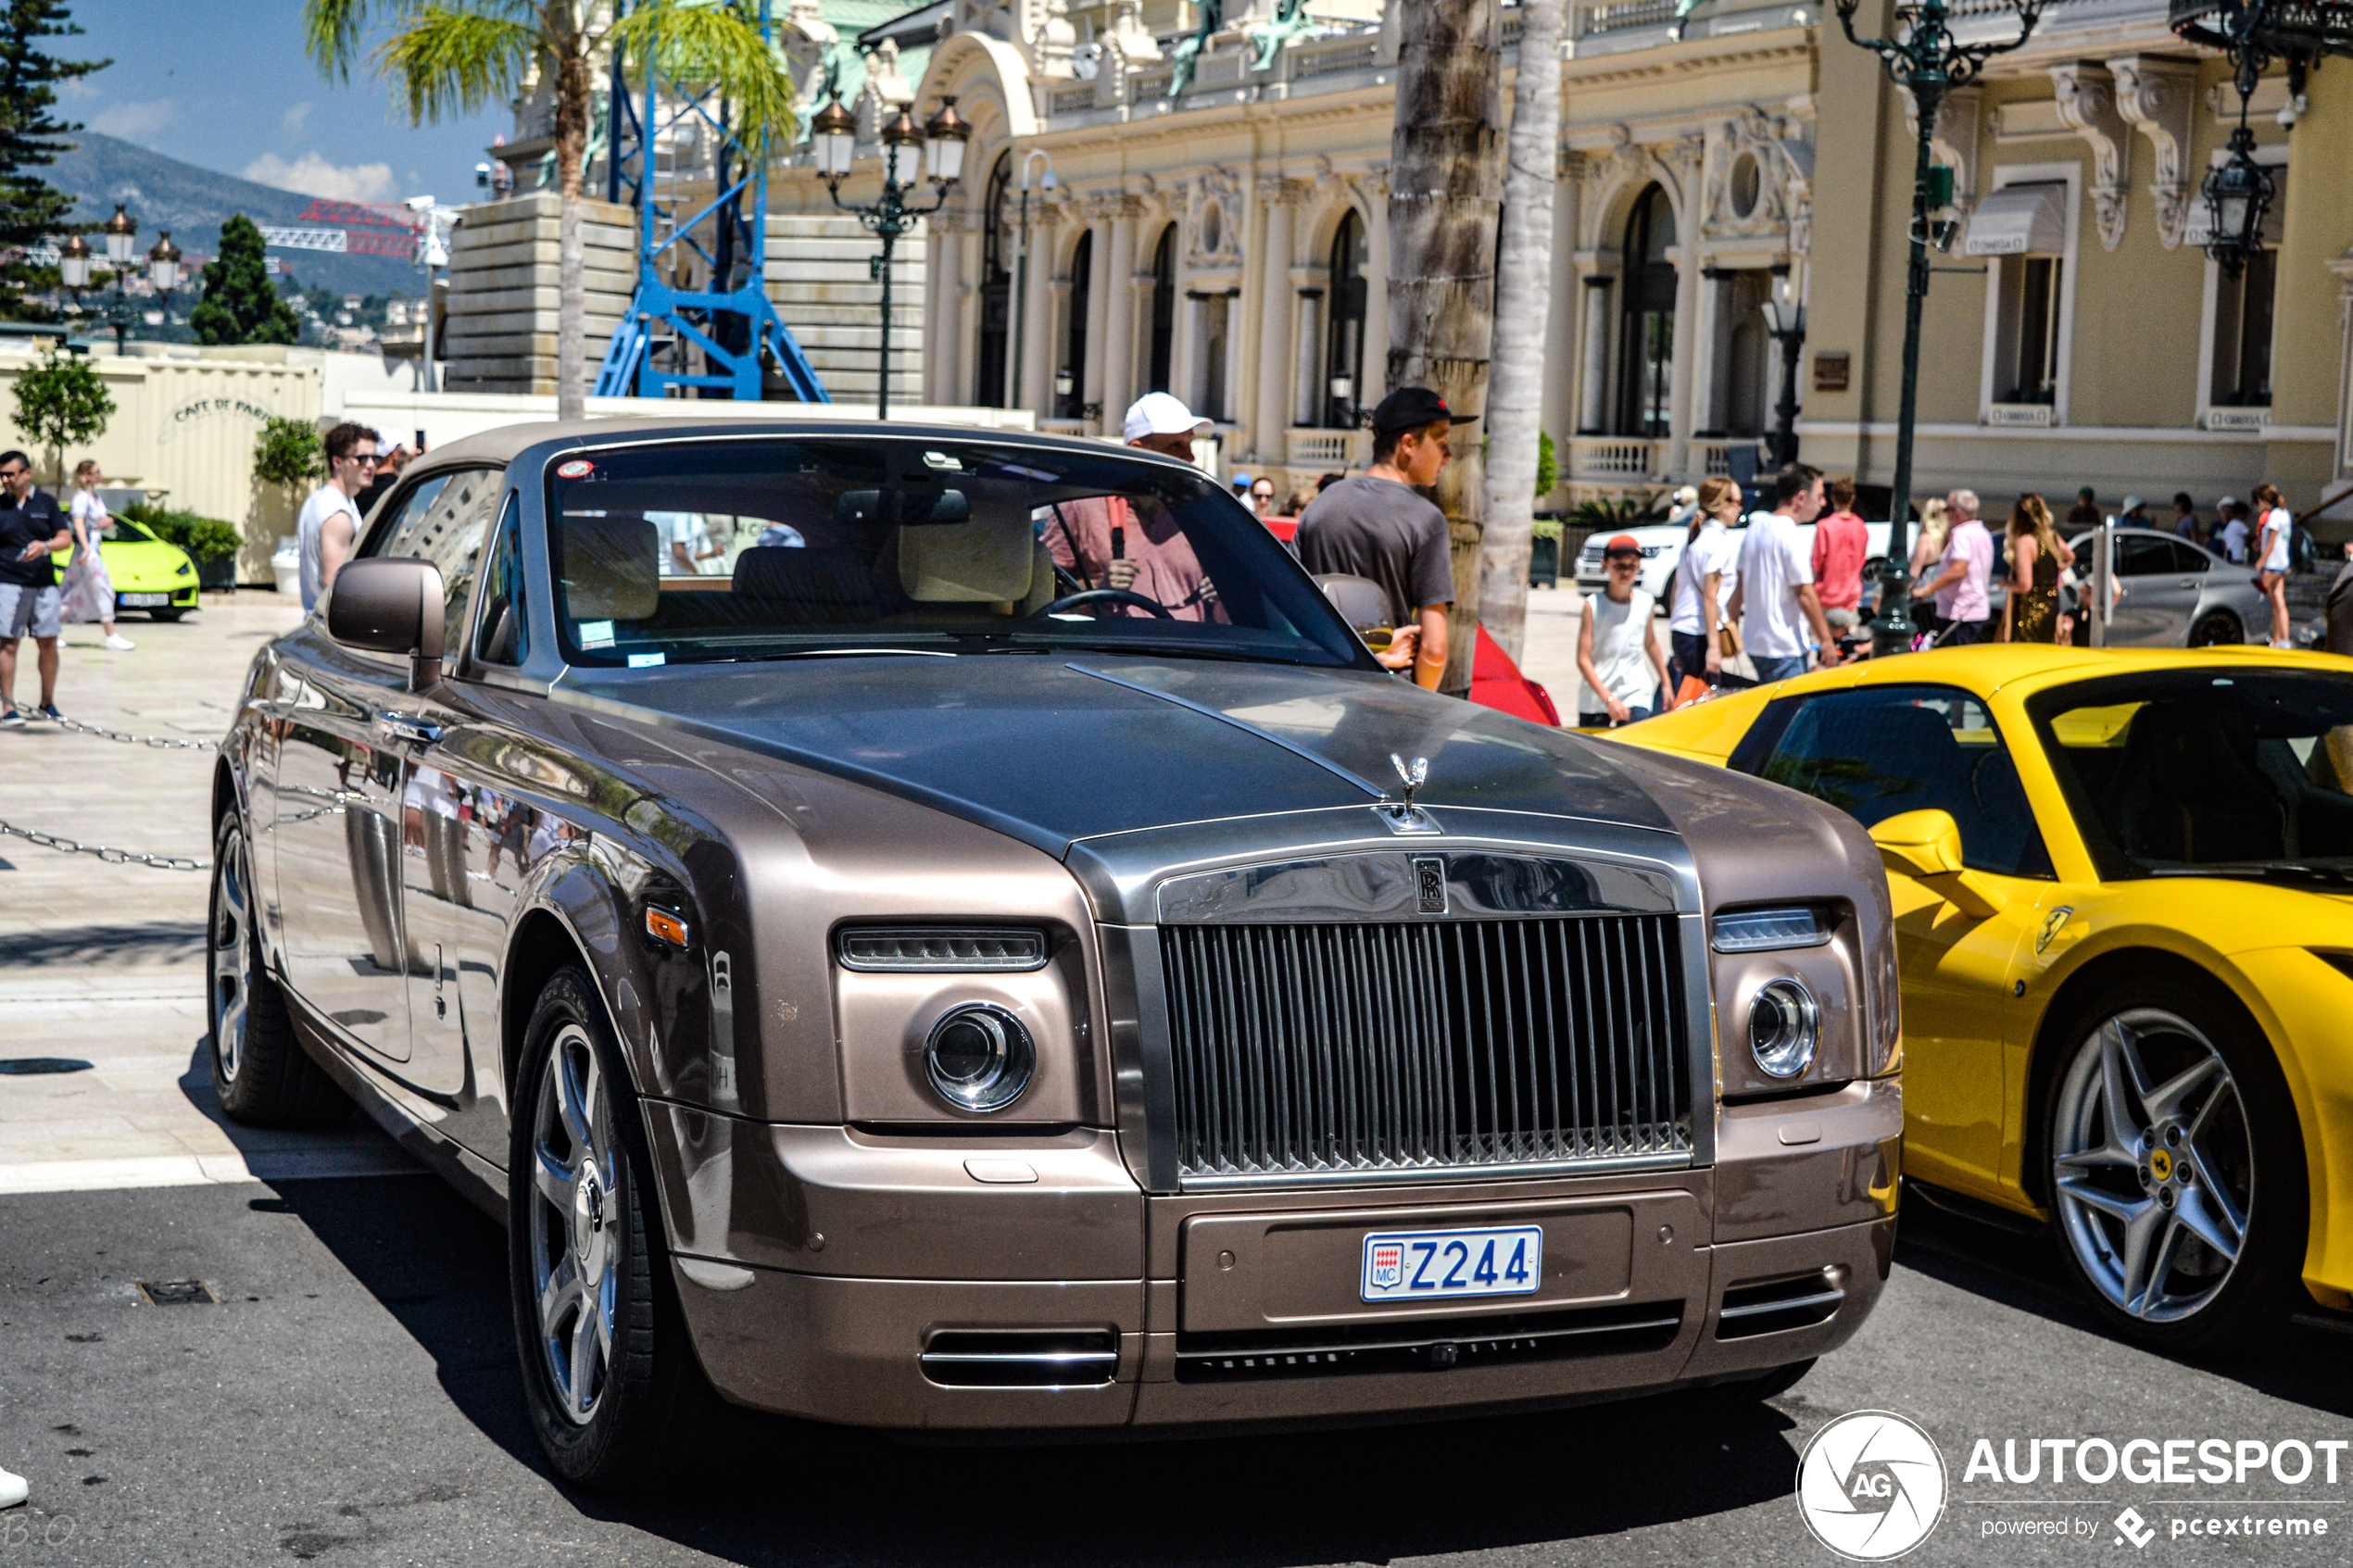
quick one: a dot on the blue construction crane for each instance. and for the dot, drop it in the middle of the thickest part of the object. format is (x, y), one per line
(731, 325)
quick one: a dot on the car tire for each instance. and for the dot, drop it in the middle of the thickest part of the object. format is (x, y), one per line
(166, 616)
(2217, 628)
(260, 1073)
(2186, 1224)
(609, 1375)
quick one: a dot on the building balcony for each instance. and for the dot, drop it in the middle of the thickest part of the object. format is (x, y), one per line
(1615, 459)
(1328, 449)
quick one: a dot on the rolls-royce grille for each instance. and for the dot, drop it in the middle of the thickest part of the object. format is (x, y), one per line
(1362, 1048)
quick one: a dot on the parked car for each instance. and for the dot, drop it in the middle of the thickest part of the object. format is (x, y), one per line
(2177, 593)
(148, 574)
(892, 981)
(1662, 546)
(2119, 882)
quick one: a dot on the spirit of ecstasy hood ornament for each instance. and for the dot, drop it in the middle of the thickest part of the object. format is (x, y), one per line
(1408, 818)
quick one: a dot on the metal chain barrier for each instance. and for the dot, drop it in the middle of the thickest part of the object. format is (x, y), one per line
(111, 857)
(161, 743)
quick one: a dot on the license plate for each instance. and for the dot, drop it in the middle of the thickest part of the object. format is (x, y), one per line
(1424, 1266)
(138, 600)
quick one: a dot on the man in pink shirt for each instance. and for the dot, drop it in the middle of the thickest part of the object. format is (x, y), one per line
(1841, 541)
(1962, 573)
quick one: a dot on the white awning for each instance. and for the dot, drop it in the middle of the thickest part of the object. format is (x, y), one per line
(2019, 220)
(2199, 228)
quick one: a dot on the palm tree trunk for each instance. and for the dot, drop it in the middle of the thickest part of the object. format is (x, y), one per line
(1444, 190)
(1523, 305)
(571, 278)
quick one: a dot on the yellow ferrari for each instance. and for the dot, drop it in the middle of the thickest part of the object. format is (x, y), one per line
(2123, 889)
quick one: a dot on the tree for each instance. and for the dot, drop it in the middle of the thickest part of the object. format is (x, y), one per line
(288, 452)
(30, 208)
(1523, 305)
(240, 303)
(1443, 194)
(61, 403)
(459, 57)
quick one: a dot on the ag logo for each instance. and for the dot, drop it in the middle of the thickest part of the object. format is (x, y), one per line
(1871, 1486)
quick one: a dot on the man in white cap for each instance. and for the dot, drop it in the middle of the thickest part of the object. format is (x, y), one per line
(1137, 549)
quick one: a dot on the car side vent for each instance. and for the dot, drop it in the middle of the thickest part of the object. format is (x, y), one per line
(1755, 1306)
(1048, 1358)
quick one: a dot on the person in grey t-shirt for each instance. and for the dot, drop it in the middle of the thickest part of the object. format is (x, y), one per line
(1375, 525)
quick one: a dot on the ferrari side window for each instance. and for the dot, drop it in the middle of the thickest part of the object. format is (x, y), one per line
(1882, 750)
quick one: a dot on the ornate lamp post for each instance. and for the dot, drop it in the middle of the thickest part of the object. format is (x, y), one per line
(74, 259)
(2253, 34)
(936, 152)
(1785, 325)
(1928, 61)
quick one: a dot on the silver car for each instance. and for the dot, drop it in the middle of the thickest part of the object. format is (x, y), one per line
(2176, 593)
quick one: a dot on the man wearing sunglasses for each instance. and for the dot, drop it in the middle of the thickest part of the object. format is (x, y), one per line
(329, 525)
(30, 531)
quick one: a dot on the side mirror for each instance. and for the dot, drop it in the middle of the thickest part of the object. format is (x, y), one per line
(1926, 846)
(390, 607)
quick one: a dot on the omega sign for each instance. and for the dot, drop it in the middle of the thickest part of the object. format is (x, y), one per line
(197, 409)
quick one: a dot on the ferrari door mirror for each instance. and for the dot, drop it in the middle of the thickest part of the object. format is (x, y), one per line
(1927, 846)
(390, 607)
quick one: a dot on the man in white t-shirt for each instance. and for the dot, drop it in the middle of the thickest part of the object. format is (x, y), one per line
(329, 525)
(1775, 601)
(1703, 586)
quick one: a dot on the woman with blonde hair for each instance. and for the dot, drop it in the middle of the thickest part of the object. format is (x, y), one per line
(1703, 586)
(2038, 556)
(89, 591)
(1936, 521)
(2273, 524)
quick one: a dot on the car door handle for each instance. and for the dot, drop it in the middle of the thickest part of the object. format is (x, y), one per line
(2189, 581)
(407, 728)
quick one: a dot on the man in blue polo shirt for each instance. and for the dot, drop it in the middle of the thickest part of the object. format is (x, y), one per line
(30, 531)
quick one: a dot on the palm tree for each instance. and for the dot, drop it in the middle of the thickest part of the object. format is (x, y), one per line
(1444, 188)
(449, 58)
(1523, 303)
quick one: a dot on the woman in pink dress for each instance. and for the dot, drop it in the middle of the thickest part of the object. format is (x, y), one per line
(89, 591)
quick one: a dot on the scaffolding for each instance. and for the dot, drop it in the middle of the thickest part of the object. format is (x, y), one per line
(716, 332)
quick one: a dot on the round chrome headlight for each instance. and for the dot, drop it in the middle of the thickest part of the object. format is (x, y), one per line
(980, 1057)
(1784, 1026)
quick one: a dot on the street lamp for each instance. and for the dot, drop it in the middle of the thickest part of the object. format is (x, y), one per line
(1925, 59)
(121, 234)
(1785, 324)
(2252, 34)
(1021, 280)
(936, 152)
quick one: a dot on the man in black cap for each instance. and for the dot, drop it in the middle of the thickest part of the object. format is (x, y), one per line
(1376, 524)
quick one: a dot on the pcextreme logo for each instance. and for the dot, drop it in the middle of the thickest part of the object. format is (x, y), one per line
(1871, 1486)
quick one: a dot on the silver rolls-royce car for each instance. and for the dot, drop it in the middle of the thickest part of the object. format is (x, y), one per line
(932, 929)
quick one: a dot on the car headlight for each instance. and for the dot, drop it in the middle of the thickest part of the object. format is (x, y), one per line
(1764, 930)
(1784, 1028)
(980, 1057)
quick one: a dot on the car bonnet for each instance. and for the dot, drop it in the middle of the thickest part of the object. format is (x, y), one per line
(1057, 747)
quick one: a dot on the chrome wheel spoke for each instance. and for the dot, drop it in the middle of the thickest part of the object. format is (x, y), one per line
(585, 1357)
(562, 1290)
(2150, 1299)
(2115, 1205)
(571, 1100)
(2107, 1156)
(2121, 1082)
(2204, 1218)
(554, 1181)
(2164, 1103)
(2142, 1234)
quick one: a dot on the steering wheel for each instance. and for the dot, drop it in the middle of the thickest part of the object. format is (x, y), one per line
(1106, 595)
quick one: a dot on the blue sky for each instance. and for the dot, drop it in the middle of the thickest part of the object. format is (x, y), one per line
(225, 84)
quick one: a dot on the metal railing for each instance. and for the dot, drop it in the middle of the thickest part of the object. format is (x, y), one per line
(1619, 15)
(1614, 457)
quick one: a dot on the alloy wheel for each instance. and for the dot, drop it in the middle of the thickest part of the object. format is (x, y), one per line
(2153, 1165)
(574, 1247)
(228, 967)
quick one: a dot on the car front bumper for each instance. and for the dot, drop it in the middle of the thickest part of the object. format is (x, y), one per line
(897, 1283)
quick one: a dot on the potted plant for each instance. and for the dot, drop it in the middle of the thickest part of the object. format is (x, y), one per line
(212, 543)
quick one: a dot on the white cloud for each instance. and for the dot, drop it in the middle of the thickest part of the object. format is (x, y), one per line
(312, 175)
(291, 122)
(135, 122)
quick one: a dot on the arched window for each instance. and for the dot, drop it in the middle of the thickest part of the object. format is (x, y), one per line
(1345, 338)
(996, 290)
(1646, 340)
(1073, 365)
(1163, 308)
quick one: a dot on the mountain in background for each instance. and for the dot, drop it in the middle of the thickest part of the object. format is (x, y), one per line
(163, 192)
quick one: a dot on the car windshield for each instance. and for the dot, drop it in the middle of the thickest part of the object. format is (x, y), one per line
(2207, 771)
(718, 550)
(128, 533)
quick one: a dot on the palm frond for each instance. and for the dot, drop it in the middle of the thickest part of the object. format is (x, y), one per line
(717, 44)
(331, 32)
(447, 62)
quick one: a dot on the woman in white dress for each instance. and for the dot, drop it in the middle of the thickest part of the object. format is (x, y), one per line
(2274, 524)
(89, 591)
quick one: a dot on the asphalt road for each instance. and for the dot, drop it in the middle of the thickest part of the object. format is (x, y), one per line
(353, 1400)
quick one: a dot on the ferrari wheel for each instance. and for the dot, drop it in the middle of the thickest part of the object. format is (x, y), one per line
(2176, 1172)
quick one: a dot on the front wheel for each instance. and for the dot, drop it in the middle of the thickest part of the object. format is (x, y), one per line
(167, 616)
(607, 1371)
(2176, 1169)
(2217, 629)
(260, 1073)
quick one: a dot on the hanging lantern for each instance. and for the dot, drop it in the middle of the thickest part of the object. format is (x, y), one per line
(834, 134)
(2238, 195)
